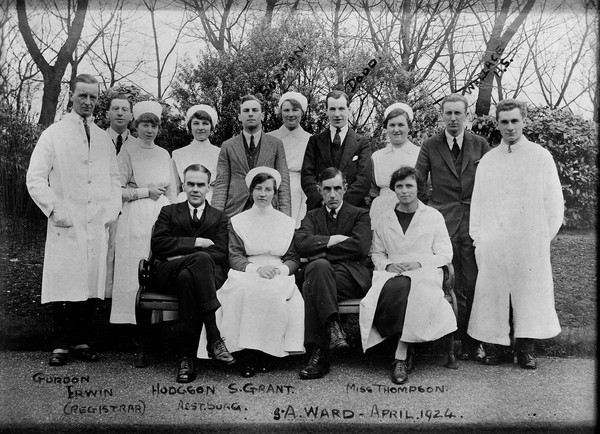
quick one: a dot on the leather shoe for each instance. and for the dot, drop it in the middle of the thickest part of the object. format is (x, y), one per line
(86, 354)
(58, 359)
(219, 352)
(337, 338)
(317, 366)
(186, 373)
(498, 359)
(248, 371)
(399, 374)
(526, 360)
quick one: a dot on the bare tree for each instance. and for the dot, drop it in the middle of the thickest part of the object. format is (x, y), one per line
(53, 74)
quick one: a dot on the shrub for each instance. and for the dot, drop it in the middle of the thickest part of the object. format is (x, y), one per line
(17, 140)
(572, 142)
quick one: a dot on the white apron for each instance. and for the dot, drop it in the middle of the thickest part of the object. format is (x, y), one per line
(195, 153)
(134, 232)
(256, 313)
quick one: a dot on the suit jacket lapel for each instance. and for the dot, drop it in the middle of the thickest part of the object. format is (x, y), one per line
(322, 228)
(263, 151)
(209, 219)
(444, 151)
(467, 149)
(325, 148)
(183, 215)
(240, 151)
(342, 217)
(349, 147)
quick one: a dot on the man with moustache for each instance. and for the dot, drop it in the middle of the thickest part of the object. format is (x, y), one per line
(450, 158)
(119, 114)
(339, 147)
(252, 148)
(73, 177)
(336, 239)
(190, 253)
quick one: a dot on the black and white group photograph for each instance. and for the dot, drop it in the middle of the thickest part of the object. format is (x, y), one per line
(298, 215)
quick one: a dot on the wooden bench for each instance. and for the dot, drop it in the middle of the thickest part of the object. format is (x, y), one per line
(148, 301)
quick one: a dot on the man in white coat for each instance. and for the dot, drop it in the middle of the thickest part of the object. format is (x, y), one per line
(516, 210)
(119, 114)
(73, 177)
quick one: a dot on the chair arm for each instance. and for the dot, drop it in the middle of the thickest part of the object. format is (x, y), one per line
(448, 286)
(144, 272)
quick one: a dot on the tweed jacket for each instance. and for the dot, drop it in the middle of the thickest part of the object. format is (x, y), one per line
(451, 190)
(230, 191)
(355, 164)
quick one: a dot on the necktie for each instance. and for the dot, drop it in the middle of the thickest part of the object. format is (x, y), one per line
(119, 142)
(332, 214)
(337, 141)
(252, 146)
(195, 217)
(455, 148)
(87, 129)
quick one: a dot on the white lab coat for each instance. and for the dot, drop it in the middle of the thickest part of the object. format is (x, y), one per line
(79, 186)
(428, 315)
(516, 209)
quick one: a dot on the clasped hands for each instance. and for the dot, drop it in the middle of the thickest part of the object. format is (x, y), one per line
(268, 271)
(155, 191)
(401, 267)
(203, 242)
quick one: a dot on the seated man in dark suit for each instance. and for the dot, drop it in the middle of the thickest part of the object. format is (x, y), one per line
(336, 239)
(339, 146)
(189, 245)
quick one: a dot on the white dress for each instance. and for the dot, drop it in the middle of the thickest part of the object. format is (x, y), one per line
(141, 166)
(428, 316)
(385, 162)
(257, 313)
(195, 153)
(294, 144)
(516, 209)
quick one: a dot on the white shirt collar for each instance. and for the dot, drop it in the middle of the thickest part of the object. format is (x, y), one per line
(113, 135)
(337, 210)
(256, 135)
(200, 209)
(343, 132)
(450, 139)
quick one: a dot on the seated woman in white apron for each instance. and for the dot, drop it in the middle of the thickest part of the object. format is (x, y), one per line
(399, 152)
(262, 310)
(148, 184)
(406, 300)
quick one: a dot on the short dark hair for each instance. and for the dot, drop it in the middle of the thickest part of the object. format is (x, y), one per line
(250, 97)
(509, 104)
(455, 97)
(147, 117)
(337, 94)
(119, 96)
(397, 112)
(403, 173)
(84, 78)
(259, 178)
(330, 173)
(201, 115)
(197, 168)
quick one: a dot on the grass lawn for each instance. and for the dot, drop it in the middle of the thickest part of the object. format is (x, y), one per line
(26, 324)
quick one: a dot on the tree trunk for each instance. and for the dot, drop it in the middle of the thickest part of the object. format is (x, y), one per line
(52, 74)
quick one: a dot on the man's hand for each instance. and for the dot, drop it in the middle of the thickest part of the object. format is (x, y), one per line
(336, 239)
(156, 192)
(60, 217)
(268, 271)
(203, 242)
(401, 267)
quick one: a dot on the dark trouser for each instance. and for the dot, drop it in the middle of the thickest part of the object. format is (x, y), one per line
(521, 344)
(391, 307)
(194, 279)
(73, 322)
(324, 285)
(465, 271)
